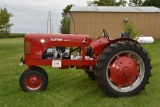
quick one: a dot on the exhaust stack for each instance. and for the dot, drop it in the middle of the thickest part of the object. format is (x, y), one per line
(49, 23)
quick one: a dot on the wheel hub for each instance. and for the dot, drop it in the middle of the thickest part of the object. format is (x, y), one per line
(33, 82)
(123, 71)
(126, 72)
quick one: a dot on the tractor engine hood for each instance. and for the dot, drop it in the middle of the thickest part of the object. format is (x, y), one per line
(58, 39)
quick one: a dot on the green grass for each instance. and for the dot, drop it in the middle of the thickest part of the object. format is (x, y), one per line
(68, 88)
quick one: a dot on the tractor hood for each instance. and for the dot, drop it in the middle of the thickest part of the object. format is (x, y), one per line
(58, 39)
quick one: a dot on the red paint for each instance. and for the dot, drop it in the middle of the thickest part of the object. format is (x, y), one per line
(40, 42)
(33, 82)
(98, 45)
(123, 71)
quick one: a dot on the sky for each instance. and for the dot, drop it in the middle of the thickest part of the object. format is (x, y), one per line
(30, 16)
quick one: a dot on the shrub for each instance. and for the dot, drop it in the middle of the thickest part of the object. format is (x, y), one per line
(12, 35)
(130, 27)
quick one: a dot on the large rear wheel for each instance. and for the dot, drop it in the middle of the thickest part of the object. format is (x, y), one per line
(90, 74)
(123, 69)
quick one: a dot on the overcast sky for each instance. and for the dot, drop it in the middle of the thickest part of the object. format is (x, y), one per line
(31, 15)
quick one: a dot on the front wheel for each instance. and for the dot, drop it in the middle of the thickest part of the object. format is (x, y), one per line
(123, 69)
(33, 80)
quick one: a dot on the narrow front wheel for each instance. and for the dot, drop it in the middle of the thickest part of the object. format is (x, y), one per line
(33, 80)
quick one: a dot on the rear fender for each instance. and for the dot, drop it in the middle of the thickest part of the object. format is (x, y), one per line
(120, 39)
(99, 44)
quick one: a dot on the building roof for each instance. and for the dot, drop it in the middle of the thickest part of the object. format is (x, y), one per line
(113, 9)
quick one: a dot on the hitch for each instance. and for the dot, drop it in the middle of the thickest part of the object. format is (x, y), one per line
(21, 61)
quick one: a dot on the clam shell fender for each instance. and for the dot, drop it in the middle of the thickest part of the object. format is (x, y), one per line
(99, 44)
(120, 39)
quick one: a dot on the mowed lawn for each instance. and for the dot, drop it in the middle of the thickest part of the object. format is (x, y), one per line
(68, 88)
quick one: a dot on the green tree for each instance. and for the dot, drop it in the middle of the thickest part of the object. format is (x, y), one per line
(110, 3)
(121, 2)
(5, 21)
(65, 22)
(105, 2)
(130, 27)
(135, 2)
(155, 3)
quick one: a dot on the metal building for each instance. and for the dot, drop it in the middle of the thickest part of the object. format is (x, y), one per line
(92, 19)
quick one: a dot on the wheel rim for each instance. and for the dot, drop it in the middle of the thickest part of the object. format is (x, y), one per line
(125, 71)
(33, 82)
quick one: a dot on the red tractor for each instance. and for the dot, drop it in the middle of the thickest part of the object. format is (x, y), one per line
(121, 66)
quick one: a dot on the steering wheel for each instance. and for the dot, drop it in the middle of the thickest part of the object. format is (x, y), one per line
(105, 34)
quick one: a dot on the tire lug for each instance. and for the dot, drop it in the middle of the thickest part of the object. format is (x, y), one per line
(131, 84)
(119, 86)
(129, 55)
(138, 62)
(117, 56)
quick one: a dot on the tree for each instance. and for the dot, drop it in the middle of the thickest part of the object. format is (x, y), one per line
(135, 2)
(5, 21)
(65, 22)
(90, 3)
(155, 3)
(110, 3)
(105, 2)
(121, 2)
(131, 28)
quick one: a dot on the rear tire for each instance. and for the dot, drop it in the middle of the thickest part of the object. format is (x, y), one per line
(91, 75)
(106, 69)
(33, 80)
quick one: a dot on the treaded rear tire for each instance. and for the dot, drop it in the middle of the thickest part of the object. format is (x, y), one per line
(91, 74)
(105, 58)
